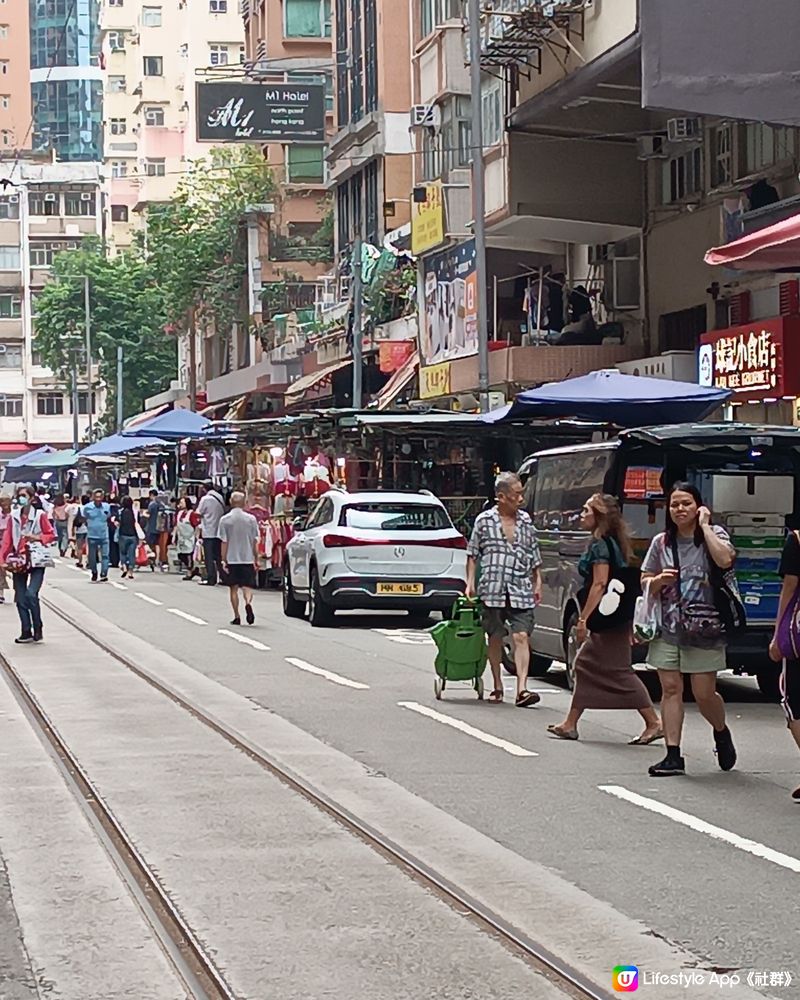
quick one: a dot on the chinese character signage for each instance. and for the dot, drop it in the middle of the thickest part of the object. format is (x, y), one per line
(450, 326)
(434, 381)
(427, 220)
(755, 361)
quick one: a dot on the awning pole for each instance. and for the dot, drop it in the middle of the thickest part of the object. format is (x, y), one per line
(479, 198)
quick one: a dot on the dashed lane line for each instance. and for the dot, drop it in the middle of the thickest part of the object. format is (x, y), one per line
(148, 599)
(701, 826)
(117, 586)
(464, 727)
(309, 668)
(186, 616)
(244, 639)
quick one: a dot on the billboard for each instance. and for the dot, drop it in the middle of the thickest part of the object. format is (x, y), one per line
(450, 327)
(427, 220)
(260, 112)
(760, 360)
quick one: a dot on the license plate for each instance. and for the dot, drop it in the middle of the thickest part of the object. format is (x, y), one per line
(404, 589)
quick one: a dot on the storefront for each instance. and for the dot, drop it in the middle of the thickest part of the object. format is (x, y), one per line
(759, 363)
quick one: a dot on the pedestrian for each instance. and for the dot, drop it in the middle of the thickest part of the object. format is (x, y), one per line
(790, 677)
(185, 536)
(113, 534)
(129, 534)
(97, 513)
(41, 499)
(238, 534)
(604, 674)
(679, 567)
(211, 509)
(60, 518)
(155, 529)
(81, 533)
(505, 549)
(5, 517)
(27, 524)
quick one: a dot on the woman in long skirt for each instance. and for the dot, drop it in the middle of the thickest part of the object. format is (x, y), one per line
(604, 675)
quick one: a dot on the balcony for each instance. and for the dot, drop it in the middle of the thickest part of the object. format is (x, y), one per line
(297, 248)
(287, 296)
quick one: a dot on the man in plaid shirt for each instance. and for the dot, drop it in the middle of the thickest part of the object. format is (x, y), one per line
(504, 543)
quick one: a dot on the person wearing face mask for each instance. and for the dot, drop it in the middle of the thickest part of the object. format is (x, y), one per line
(28, 523)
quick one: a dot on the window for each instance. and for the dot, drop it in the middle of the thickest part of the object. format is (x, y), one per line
(342, 58)
(3, 67)
(41, 254)
(7, 137)
(119, 213)
(10, 406)
(115, 3)
(682, 176)
(217, 6)
(218, 54)
(10, 306)
(3, 31)
(155, 168)
(394, 517)
(242, 54)
(5, 101)
(9, 258)
(119, 168)
(44, 203)
(431, 157)
(151, 17)
(305, 164)
(722, 155)
(83, 404)
(492, 112)
(436, 12)
(119, 126)
(116, 84)
(370, 56)
(49, 404)
(356, 65)
(153, 66)
(307, 19)
(10, 355)
(766, 145)
(116, 41)
(79, 203)
(9, 207)
(154, 116)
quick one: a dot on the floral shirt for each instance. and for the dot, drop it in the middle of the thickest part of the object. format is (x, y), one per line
(506, 568)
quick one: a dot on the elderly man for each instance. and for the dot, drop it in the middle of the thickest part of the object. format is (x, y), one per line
(239, 534)
(505, 547)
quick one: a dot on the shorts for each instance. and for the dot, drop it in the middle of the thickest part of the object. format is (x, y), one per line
(241, 575)
(790, 690)
(153, 538)
(495, 620)
(685, 659)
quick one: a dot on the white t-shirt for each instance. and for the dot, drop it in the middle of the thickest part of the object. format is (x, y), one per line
(211, 508)
(240, 530)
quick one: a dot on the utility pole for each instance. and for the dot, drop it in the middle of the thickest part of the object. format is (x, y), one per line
(479, 198)
(358, 344)
(87, 317)
(192, 360)
(75, 434)
(119, 388)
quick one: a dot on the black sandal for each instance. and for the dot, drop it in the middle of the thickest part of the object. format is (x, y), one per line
(527, 699)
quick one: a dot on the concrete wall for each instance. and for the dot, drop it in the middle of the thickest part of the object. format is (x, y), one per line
(15, 82)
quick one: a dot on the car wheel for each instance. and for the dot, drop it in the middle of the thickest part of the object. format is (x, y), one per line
(292, 608)
(769, 683)
(571, 648)
(320, 614)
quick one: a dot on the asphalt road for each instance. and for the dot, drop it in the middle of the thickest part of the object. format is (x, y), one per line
(710, 861)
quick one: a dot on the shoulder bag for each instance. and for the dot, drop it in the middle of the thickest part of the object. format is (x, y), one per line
(618, 603)
(704, 626)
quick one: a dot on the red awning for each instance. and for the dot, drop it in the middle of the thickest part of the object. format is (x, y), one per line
(771, 249)
(19, 446)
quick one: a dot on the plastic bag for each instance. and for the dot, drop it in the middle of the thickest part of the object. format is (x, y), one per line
(647, 616)
(41, 556)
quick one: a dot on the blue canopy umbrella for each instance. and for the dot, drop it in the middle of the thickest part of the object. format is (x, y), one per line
(172, 426)
(116, 444)
(610, 397)
(21, 460)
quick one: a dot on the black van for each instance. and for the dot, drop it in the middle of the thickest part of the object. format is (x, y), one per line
(749, 476)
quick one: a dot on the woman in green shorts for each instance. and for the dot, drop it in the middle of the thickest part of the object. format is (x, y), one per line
(692, 639)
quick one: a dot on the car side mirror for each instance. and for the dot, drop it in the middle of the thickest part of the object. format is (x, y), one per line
(298, 523)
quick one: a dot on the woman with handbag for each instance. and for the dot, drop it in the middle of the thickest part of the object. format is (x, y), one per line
(785, 643)
(184, 536)
(682, 564)
(23, 552)
(129, 534)
(604, 674)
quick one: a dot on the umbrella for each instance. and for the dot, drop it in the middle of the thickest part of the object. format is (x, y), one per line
(610, 397)
(55, 460)
(172, 426)
(116, 444)
(25, 460)
(773, 248)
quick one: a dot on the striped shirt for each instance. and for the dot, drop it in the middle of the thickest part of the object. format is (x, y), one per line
(506, 568)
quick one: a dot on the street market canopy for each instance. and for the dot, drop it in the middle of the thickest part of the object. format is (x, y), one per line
(774, 248)
(174, 425)
(298, 389)
(54, 460)
(28, 457)
(608, 396)
(116, 444)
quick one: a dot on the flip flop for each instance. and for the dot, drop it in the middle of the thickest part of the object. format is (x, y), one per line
(527, 699)
(563, 734)
(644, 741)
(496, 697)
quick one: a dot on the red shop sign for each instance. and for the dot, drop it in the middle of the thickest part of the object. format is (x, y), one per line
(760, 360)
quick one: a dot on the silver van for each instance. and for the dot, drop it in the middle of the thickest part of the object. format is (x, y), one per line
(750, 477)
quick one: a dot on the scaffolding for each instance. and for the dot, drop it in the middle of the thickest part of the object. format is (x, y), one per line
(515, 32)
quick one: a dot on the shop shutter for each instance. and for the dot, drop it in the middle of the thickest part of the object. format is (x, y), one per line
(740, 309)
(790, 297)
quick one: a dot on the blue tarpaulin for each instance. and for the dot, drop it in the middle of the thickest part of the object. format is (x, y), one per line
(116, 444)
(28, 457)
(172, 426)
(613, 398)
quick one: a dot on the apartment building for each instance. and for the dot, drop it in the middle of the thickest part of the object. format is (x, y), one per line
(153, 54)
(48, 209)
(15, 88)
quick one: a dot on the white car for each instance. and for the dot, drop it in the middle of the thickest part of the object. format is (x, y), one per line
(386, 550)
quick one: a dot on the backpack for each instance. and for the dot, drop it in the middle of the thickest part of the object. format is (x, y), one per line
(79, 520)
(161, 519)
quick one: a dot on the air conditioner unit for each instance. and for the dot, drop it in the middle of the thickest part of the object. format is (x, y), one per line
(684, 129)
(13, 199)
(426, 116)
(50, 197)
(87, 196)
(134, 39)
(651, 147)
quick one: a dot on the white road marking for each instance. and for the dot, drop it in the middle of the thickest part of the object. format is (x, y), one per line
(72, 566)
(117, 586)
(245, 639)
(700, 826)
(406, 636)
(327, 674)
(464, 727)
(186, 616)
(150, 600)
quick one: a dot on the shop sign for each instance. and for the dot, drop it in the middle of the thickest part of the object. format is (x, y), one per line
(261, 112)
(434, 381)
(756, 361)
(427, 220)
(394, 354)
(450, 321)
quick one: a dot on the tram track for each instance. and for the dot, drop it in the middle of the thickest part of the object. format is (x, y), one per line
(195, 967)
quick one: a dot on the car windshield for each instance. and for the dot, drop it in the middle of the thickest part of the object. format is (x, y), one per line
(395, 517)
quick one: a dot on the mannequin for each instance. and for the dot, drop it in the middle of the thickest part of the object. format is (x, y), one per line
(284, 486)
(316, 478)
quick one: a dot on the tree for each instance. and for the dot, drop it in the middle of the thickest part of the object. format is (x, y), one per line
(127, 311)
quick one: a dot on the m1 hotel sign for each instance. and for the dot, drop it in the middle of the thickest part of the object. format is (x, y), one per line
(758, 361)
(260, 112)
